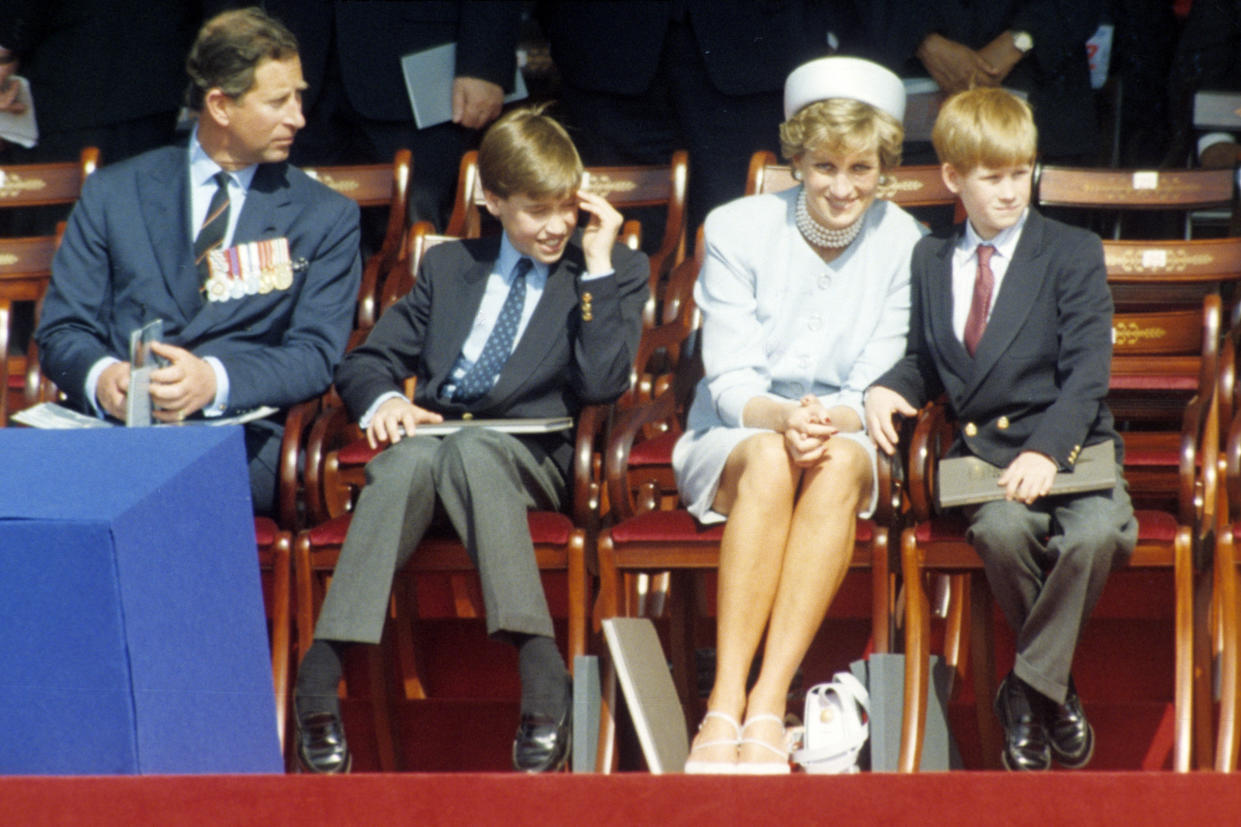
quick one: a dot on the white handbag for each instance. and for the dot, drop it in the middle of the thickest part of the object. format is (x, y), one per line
(837, 725)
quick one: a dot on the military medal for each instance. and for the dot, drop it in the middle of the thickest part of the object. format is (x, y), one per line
(257, 267)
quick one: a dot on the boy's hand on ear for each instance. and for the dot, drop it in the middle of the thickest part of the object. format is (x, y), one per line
(600, 232)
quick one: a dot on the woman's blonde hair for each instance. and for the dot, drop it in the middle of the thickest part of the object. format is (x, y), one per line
(985, 126)
(528, 152)
(843, 125)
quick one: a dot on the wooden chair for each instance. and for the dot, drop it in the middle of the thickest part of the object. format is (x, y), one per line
(649, 536)
(275, 548)
(1227, 537)
(560, 542)
(26, 262)
(1151, 347)
(1111, 192)
(912, 187)
(625, 187)
(375, 185)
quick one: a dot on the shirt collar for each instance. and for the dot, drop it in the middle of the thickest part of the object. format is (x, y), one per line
(508, 258)
(202, 167)
(1004, 242)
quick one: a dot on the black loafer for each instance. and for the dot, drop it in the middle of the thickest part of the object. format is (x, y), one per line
(542, 742)
(1025, 739)
(1070, 735)
(320, 742)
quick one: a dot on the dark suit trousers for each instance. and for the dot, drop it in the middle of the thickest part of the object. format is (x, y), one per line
(1047, 564)
(484, 482)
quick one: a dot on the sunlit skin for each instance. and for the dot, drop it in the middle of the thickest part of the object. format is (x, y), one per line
(839, 185)
(539, 227)
(994, 199)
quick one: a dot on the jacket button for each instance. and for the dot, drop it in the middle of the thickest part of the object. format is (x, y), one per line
(971, 429)
(1002, 423)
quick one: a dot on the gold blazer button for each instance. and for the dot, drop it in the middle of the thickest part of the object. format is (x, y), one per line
(467, 415)
(971, 429)
(1002, 423)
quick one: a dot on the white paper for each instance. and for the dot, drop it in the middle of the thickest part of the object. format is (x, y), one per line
(20, 129)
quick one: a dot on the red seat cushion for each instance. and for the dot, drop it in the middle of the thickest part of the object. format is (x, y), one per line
(654, 451)
(356, 453)
(265, 530)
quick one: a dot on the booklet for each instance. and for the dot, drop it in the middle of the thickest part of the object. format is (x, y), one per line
(20, 129)
(53, 416)
(428, 81)
(532, 425)
(969, 480)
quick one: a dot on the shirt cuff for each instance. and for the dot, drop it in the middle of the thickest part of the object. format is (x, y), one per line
(220, 404)
(365, 421)
(596, 276)
(92, 382)
(1211, 139)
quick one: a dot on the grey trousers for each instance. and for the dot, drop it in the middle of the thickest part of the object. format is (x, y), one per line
(1047, 564)
(485, 482)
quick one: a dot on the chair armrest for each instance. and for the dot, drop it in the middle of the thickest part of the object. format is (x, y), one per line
(592, 428)
(296, 423)
(627, 425)
(330, 430)
(926, 445)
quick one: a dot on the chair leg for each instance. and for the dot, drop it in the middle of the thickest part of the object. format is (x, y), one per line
(682, 628)
(1183, 577)
(982, 634)
(1204, 690)
(1226, 741)
(917, 651)
(956, 643)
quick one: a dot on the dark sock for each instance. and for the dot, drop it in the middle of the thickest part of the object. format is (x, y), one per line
(543, 676)
(318, 676)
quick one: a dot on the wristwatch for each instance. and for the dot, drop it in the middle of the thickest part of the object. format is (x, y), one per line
(1022, 41)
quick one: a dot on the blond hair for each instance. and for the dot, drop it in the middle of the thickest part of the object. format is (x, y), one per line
(528, 152)
(985, 126)
(843, 125)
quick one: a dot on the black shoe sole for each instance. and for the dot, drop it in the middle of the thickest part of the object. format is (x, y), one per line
(1075, 764)
(302, 765)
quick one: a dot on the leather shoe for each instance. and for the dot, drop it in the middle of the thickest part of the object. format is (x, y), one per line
(1025, 739)
(1070, 735)
(320, 740)
(542, 741)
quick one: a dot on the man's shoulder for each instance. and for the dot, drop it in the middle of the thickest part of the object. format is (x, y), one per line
(304, 186)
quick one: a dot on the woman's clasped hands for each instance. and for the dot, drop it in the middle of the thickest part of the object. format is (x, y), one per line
(807, 429)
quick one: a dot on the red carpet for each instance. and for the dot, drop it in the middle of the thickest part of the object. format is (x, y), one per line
(1130, 799)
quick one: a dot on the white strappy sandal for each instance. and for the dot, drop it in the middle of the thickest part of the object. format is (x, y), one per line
(764, 767)
(697, 767)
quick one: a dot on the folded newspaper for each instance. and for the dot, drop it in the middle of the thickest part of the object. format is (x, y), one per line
(50, 415)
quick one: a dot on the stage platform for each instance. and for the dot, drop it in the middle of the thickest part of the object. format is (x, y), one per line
(1132, 799)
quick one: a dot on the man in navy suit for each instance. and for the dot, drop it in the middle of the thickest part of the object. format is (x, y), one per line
(251, 265)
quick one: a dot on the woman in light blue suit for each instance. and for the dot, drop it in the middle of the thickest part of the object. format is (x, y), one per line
(805, 301)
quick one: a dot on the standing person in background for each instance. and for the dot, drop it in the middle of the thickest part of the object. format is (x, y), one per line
(357, 106)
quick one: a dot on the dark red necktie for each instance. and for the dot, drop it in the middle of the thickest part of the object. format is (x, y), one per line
(976, 321)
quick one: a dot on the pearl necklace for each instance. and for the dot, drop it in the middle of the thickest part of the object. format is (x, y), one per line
(820, 236)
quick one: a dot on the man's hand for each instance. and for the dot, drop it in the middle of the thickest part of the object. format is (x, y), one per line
(397, 415)
(807, 429)
(955, 66)
(475, 102)
(112, 388)
(1028, 477)
(599, 234)
(1002, 55)
(881, 404)
(182, 388)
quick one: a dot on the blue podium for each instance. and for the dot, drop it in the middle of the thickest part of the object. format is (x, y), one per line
(132, 633)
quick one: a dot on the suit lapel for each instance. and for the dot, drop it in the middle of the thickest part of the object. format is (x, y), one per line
(545, 327)
(167, 221)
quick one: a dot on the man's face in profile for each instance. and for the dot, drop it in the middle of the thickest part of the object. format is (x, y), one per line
(263, 120)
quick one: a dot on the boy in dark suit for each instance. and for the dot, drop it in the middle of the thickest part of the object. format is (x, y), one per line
(535, 323)
(1011, 319)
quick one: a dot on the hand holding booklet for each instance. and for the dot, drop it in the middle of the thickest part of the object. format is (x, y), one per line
(970, 480)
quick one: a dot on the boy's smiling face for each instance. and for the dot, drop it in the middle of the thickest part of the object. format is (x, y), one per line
(994, 197)
(537, 227)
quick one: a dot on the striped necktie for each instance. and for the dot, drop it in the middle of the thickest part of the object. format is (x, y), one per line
(214, 226)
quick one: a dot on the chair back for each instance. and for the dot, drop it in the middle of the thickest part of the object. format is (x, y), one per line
(38, 185)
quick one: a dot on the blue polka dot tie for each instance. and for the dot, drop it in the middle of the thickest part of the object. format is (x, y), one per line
(499, 344)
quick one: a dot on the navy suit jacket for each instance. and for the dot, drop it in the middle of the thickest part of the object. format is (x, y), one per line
(561, 362)
(127, 259)
(1040, 374)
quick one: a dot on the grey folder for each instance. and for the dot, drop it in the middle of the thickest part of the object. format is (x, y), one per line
(969, 480)
(428, 81)
(642, 670)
